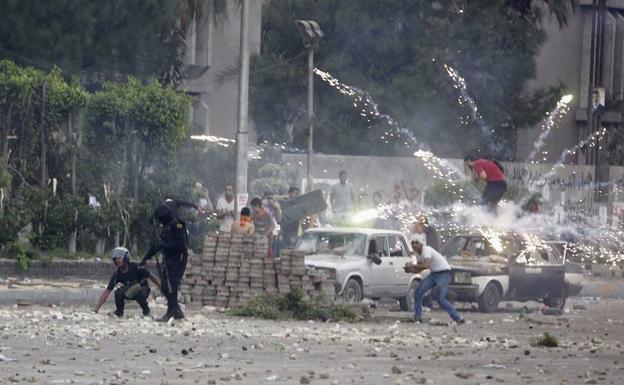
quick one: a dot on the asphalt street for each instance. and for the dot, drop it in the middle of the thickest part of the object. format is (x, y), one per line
(65, 344)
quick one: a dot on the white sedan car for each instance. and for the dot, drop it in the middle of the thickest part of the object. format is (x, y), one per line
(365, 263)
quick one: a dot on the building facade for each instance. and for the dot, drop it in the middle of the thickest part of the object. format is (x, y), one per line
(212, 64)
(566, 58)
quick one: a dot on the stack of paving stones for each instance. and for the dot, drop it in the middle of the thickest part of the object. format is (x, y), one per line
(234, 268)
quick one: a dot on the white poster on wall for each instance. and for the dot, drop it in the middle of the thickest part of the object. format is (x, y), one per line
(242, 199)
(603, 215)
(546, 192)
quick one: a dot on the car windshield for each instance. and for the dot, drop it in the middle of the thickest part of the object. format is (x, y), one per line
(349, 244)
(477, 247)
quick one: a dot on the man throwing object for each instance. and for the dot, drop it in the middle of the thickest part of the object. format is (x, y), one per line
(491, 173)
(439, 277)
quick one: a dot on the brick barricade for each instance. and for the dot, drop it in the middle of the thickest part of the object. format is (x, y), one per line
(235, 267)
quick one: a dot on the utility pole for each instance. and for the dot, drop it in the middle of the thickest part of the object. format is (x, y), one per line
(243, 100)
(311, 34)
(310, 119)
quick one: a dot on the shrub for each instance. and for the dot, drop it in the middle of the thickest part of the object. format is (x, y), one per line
(547, 341)
(294, 305)
(263, 306)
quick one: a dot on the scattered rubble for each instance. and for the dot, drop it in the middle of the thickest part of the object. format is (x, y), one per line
(96, 349)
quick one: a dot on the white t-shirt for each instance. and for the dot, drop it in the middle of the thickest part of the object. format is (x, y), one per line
(341, 195)
(226, 222)
(438, 262)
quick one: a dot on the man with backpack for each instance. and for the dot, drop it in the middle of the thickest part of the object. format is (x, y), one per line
(492, 173)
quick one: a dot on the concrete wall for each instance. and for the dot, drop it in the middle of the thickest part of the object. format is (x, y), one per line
(569, 192)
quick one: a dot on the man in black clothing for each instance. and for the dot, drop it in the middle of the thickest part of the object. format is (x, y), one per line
(173, 245)
(176, 204)
(134, 281)
(289, 231)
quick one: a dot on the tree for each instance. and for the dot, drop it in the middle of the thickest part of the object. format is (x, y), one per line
(395, 51)
(104, 40)
(560, 9)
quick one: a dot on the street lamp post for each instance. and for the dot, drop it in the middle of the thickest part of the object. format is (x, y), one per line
(311, 34)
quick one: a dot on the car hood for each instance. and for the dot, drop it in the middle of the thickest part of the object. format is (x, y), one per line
(478, 267)
(329, 260)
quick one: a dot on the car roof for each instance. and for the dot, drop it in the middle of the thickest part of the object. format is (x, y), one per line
(350, 230)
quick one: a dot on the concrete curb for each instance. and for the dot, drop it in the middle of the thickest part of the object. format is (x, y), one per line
(56, 296)
(86, 296)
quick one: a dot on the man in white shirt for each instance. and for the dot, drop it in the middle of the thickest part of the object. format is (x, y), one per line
(440, 277)
(342, 197)
(225, 209)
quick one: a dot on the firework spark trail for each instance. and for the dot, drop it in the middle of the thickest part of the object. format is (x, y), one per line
(591, 141)
(554, 118)
(465, 100)
(255, 151)
(218, 140)
(369, 109)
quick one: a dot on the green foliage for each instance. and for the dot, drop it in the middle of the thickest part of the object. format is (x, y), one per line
(272, 179)
(262, 306)
(547, 341)
(395, 50)
(294, 305)
(53, 217)
(444, 193)
(21, 254)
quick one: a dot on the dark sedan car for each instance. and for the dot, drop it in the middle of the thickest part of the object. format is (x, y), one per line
(489, 267)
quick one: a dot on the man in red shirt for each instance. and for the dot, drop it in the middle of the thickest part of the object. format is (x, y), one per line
(491, 173)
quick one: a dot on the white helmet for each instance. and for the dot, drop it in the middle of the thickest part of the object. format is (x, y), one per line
(121, 252)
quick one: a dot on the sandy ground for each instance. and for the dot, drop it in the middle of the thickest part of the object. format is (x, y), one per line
(61, 345)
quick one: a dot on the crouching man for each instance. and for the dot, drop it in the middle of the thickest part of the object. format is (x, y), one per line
(133, 280)
(440, 277)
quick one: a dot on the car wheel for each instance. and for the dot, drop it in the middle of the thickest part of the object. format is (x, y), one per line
(352, 291)
(489, 299)
(407, 302)
(557, 301)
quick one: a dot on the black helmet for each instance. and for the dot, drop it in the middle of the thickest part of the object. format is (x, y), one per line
(163, 214)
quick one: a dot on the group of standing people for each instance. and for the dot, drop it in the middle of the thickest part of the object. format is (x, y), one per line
(263, 218)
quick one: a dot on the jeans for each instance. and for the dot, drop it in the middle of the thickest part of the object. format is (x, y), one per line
(440, 280)
(493, 193)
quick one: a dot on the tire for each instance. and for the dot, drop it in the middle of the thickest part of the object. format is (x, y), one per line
(407, 302)
(352, 291)
(557, 301)
(489, 299)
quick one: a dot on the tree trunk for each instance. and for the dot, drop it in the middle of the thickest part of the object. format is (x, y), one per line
(117, 237)
(43, 145)
(134, 245)
(135, 169)
(100, 246)
(73, 237)
(73, 137)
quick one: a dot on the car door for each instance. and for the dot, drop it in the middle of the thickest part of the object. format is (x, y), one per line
(382, 275)
(400, 255)
(533, 275)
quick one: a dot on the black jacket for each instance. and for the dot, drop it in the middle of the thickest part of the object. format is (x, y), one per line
(172, 243)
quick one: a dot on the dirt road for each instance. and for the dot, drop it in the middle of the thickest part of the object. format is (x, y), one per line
(72, 345)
